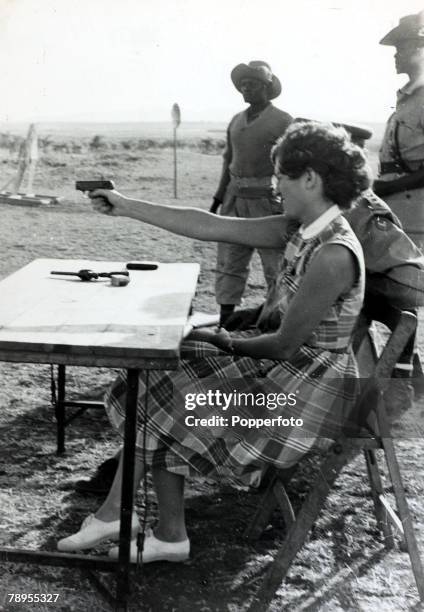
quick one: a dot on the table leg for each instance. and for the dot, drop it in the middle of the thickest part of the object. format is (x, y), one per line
(122, 587)
(60, 409)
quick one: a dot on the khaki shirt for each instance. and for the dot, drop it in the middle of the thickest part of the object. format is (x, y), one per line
(249, 144)
(408, 119)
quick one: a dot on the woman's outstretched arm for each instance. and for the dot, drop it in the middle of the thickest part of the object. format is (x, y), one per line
(196, 223)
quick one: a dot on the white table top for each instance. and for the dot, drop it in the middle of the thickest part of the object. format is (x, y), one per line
(54, 319)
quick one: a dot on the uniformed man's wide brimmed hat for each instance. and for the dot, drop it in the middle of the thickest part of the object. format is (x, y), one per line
(410, 27)
(357, 132)
(260, 71)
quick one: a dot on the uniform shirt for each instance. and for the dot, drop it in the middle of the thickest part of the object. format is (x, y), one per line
(249, 144)
(409, 117)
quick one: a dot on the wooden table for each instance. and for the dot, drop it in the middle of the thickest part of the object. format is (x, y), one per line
(65, 321)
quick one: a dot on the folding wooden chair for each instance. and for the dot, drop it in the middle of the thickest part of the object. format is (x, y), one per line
(371, 407)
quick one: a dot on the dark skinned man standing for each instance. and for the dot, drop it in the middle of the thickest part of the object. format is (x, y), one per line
(245, 188)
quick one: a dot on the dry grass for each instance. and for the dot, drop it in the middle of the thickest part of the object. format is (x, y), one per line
(344, 566)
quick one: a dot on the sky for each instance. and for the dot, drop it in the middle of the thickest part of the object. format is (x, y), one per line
(130, 60)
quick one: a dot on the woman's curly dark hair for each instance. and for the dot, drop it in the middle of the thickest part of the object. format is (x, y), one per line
(329, 151)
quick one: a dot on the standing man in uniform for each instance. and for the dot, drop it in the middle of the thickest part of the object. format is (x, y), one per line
(401, 179)
(245, 188)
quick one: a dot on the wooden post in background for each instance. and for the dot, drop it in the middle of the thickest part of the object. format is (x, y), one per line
(28, 156)
(176, 120)
(27, 161)
(32, 157)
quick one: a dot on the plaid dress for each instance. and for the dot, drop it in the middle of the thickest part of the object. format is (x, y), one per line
(319, 384)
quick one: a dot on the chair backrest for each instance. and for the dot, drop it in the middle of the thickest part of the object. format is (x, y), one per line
(402, 325)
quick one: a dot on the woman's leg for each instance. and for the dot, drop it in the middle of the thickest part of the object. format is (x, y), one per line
(111, 508)
(169, 490)
(169, 541)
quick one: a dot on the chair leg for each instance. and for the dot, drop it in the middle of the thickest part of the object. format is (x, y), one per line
(405, 516)
(275, 495)
(284, 502)
(60, 409)
(377, 490)
(399, 491)
(299, 530)
(262, 516)
(417, 365)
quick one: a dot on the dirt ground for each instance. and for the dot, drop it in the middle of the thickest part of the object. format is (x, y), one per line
(343, 567)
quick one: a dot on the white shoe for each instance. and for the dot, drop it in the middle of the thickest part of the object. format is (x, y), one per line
(156, 550)
(93, 532)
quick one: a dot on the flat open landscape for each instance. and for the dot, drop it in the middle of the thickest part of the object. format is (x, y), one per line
(344, 565)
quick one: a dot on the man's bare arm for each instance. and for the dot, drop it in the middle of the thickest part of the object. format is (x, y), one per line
(225, 172)
(415, 180)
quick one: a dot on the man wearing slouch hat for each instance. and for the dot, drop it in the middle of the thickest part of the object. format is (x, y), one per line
(401, 180)
(245, 188)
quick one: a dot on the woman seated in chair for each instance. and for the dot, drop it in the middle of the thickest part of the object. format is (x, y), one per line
(308, 358)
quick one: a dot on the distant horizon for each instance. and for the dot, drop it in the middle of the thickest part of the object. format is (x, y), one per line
(163, 122)
(84, 131)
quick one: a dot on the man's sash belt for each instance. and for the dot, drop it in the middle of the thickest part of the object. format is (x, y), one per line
(251, 187)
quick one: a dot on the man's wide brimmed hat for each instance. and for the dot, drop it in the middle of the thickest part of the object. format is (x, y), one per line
(357, 132)
(410, 27)
(260, 71)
